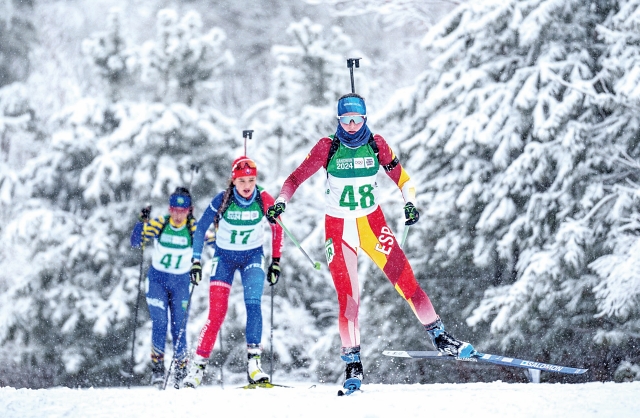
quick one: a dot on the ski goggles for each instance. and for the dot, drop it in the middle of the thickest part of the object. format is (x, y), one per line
(357, 119)
(242, 164)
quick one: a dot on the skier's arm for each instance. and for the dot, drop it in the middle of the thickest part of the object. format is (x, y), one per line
(394, 170)
(276, 229)
(136, 235)
(316, 159)
(202, 226)
(146, 231)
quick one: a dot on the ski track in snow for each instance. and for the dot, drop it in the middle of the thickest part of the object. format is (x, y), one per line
(497, 399)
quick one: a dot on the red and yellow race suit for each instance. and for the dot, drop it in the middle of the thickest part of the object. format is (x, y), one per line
(355, 220)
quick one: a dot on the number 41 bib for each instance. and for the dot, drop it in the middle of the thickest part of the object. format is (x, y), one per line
(352, 190)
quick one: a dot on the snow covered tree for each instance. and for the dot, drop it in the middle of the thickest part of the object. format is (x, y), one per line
(109, 54)
(18, 35)
(69, 281)
(517, 131)
(181, 56)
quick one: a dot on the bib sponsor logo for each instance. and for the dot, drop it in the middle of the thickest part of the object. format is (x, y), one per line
(242, 215)
(173, 239)
(358, 162)
(369, 162)
(344, 164)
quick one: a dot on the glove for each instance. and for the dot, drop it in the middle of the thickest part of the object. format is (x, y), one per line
(273, 274)
(411, 214)
(195, 275)
(144, 214)
(274, 211)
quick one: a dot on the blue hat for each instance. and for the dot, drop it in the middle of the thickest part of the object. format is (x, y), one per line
(348, 104)
(179, 201)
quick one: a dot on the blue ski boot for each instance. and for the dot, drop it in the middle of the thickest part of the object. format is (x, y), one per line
(446, 343)
(353, 372)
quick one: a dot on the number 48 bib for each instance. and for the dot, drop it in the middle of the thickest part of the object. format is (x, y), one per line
(351, 182)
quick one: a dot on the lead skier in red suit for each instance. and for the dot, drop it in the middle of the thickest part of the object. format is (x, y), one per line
(354, 220)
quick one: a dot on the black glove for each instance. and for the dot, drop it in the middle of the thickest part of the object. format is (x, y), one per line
(273, 274)
(195, 275)
(144, 214)
(411, 214)
(274, 211)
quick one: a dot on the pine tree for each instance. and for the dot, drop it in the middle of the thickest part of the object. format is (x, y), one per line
(517, 133)
(68, 308)
(18, 36)
(181, 57)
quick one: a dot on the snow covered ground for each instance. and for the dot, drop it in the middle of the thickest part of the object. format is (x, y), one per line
(304, 400)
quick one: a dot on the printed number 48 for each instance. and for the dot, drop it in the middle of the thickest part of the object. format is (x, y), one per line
(366, 199)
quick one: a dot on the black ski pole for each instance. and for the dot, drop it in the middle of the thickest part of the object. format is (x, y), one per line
(221, 360)
(135, 316)
(271, 340)
(350, 63)
(184, 326)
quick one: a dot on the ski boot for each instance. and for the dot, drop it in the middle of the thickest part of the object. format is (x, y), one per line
(157, 370)
(196, 372)
(446, 343)
(179, 373)
(254, 369)
(353, 372)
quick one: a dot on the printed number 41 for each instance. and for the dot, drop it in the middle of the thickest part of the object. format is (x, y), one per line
(366, 200)
(166, 261)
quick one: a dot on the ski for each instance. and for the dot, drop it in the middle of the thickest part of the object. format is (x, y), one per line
(265, 385)
(488, 358)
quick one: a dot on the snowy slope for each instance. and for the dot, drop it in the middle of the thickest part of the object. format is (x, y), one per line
(405, 401)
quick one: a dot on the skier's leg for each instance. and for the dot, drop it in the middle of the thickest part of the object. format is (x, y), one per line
(219, 290)
(380, 244)
(178, 301)
(342, 258)
(178, 304)
(253, 278)
(377, 240)
(157, 302)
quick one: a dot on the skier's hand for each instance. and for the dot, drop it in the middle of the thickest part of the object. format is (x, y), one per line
(275, 211)
(195, 275)
(411, 214)
(144, 214)
(273, 274)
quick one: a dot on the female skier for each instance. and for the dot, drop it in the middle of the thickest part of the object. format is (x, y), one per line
(354, 220)
(168, 279)
(236, 214)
